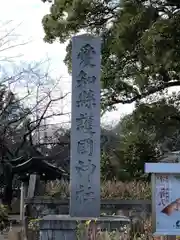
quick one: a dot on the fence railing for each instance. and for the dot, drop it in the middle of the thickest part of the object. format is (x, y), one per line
(140, 208)
(109, 203)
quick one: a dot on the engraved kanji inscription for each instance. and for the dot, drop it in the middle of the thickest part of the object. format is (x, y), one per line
(86, 99)
(87, 169)
(85, 146)
(86, 55)
(83, 194)
(85, 123)
(83, 79)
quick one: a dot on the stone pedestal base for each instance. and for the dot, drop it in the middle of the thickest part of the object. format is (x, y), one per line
(63, 227)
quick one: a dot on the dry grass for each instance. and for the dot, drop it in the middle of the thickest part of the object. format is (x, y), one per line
(109, 190)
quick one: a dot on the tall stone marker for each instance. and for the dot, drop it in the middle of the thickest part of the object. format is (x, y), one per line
(85, 127)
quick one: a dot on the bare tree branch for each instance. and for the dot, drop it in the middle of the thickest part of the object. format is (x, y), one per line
(28, 91)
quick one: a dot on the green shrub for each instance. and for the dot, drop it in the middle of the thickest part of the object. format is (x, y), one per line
(3, 217)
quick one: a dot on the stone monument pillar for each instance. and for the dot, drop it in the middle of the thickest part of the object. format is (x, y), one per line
(85, 127)
(85, 147)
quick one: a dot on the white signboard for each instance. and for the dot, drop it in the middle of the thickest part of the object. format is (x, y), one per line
(165, 198)
(167, 204)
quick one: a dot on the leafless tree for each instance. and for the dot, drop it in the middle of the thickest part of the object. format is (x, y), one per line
(28, 95)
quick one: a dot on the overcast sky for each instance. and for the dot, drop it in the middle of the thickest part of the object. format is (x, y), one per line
(29, 13)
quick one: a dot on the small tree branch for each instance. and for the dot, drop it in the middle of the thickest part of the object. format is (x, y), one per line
(150, 91)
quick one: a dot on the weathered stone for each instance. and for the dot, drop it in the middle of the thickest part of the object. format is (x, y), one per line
(85, 127)
(65, 227)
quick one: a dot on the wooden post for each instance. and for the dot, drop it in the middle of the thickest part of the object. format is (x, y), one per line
(22, 212)
(32, 185)
(22, 204)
